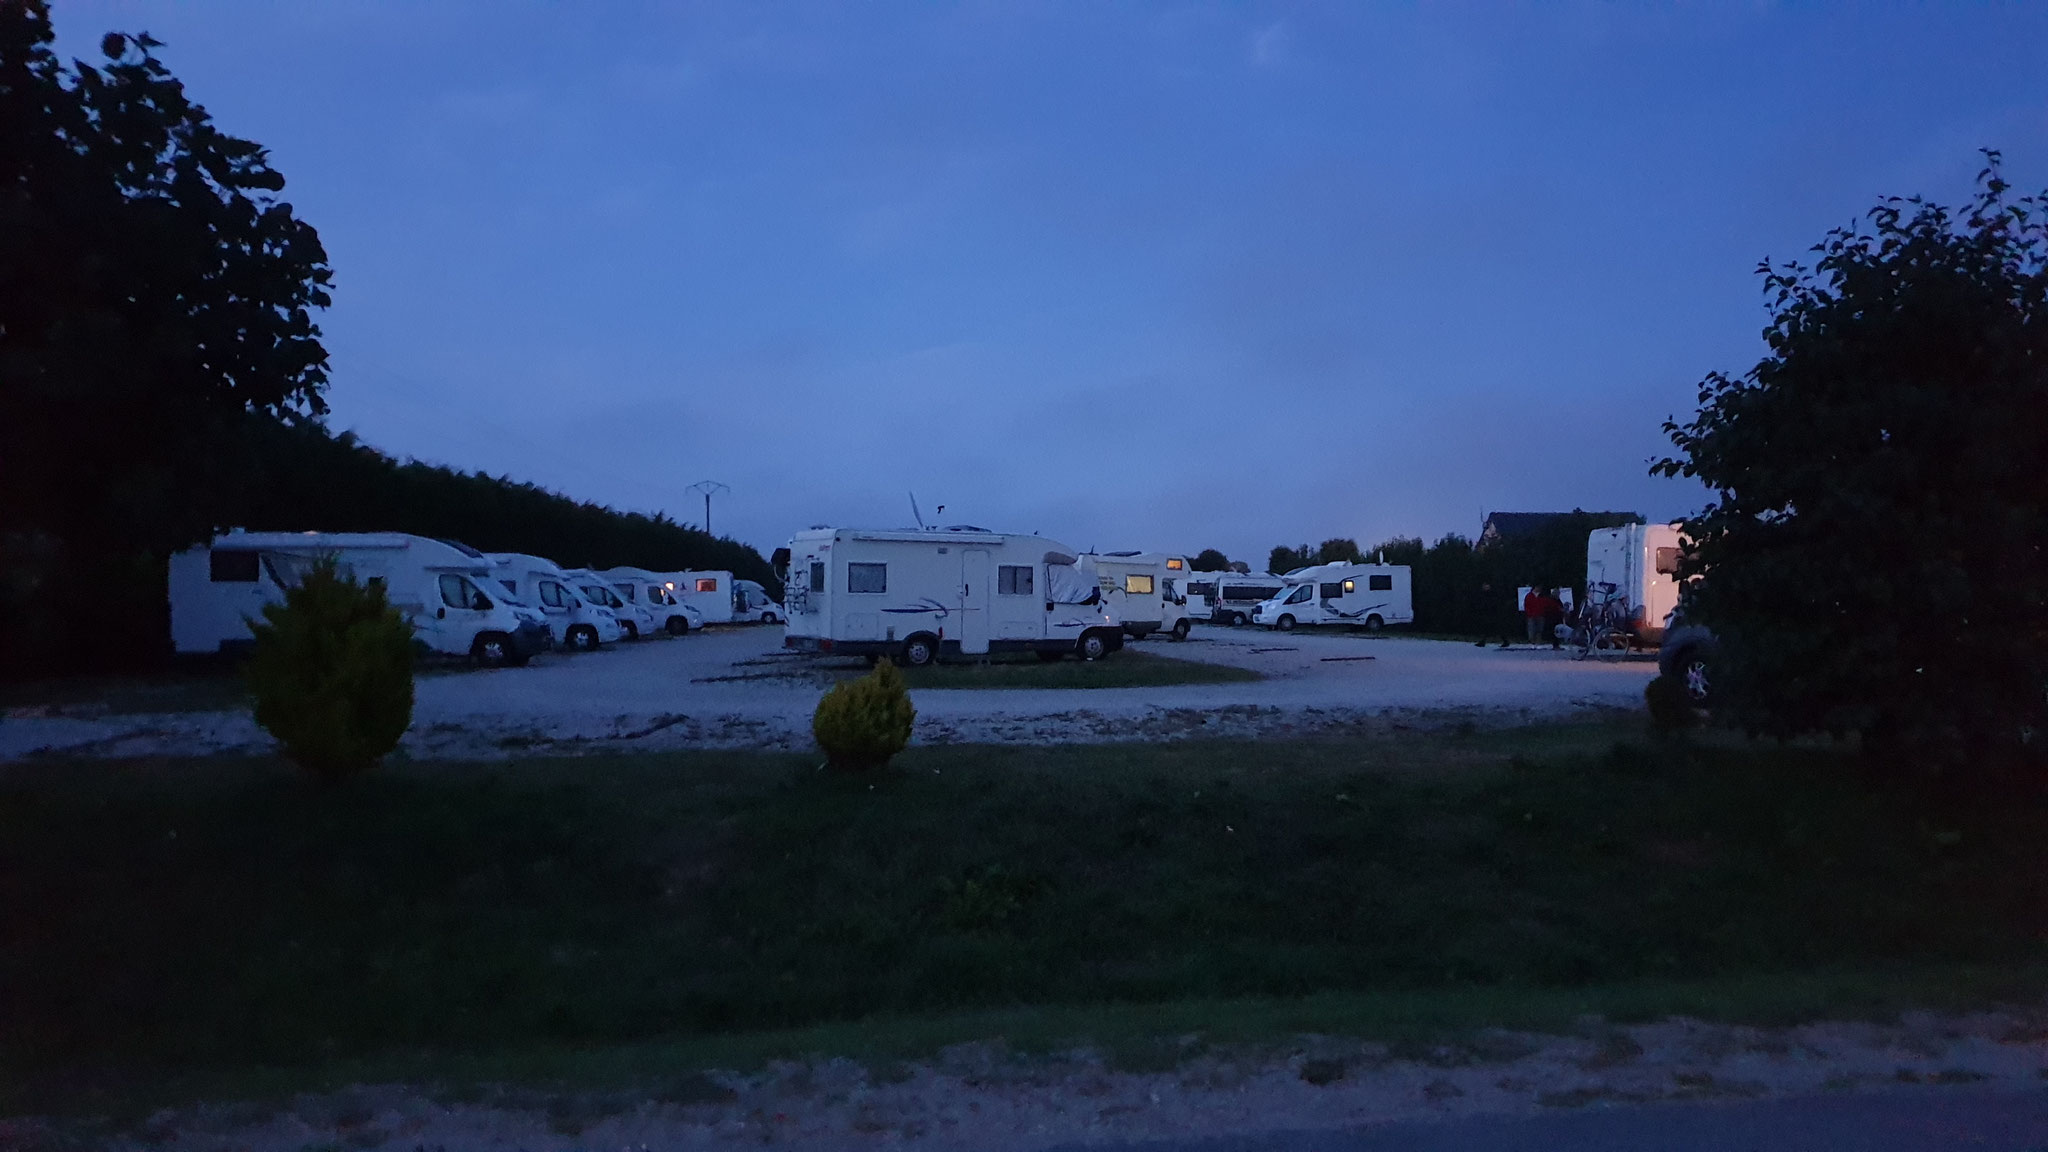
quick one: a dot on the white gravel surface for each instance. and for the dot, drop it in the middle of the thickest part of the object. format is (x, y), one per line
(738, 688)
(981, 1097)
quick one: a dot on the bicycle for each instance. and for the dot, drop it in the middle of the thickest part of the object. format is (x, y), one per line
(1605, 628)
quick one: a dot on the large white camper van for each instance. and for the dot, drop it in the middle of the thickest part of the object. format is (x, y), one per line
(1238, 595)
(1369, 596)
(637, 621)
(650, 591)
(919, 594)
(1144, 590)
(573, 620)
(710, 593)
(1636, 565)
(751, 602)
(447, 590)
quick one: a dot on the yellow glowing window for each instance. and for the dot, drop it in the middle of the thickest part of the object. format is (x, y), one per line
(707, 584)
(1140, 585)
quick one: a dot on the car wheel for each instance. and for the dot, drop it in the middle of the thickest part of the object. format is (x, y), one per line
(1240, 619)
(919, 651)
(678, 625)
(583, 638)
(1284, 623)
(1181, 630)
(769, 618)
(630, 629)
(1093, 646)
(491, 650)
(1373, 623)
(1695, 672)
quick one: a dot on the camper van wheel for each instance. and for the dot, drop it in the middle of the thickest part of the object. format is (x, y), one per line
(1239, 619)
(1094, 646)
(491, 650)
(1285, 623)
(920, 650)
(1696, 674)
(1373, 623)
(1181, 629)
(769, 618)
(583, 638)
(677, 625)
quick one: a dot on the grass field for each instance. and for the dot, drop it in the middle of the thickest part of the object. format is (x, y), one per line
(1125, 669)
(539, 915)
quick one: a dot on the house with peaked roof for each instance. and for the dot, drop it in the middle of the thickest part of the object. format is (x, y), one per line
(1511, 527)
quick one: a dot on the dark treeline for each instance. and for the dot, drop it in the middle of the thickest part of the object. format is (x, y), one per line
(1468, 587)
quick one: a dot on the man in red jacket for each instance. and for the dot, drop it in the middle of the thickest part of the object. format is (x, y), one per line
(1535, 611)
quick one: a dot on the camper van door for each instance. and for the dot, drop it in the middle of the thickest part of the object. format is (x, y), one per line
(975, 572)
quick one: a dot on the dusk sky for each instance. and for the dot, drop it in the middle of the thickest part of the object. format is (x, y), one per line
(1133, 276)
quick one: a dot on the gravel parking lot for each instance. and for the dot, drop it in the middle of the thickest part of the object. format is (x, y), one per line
(736, 687)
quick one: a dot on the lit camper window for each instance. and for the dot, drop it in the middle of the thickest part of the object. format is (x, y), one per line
(1138, 583)
(707, 583)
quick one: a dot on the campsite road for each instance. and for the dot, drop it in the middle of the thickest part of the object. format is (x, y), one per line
(736, 687)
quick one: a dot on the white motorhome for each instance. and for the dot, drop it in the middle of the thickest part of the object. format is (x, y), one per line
(1144, 590)
(447, 590)
(919, 594)
(1636, 565)
(636, 619)
(1238, 595)
(710, 593)
(572, 619)
(1369, 596)
(751, 602)
(650, 590)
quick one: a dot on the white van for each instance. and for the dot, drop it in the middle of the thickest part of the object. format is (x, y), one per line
(751, 602)
(1369, 596)
(637, 621)
(919, 594)
(650, 591)
(1144, 590)
(710, 593)
(572, 619)
(1239, 594)
(447, 590)
(1637, 564)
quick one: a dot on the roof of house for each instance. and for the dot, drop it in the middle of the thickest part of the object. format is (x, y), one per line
(1520, 525)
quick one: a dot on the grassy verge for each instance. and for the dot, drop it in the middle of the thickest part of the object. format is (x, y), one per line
(209, 688)
(1125, 669)
(562, 918)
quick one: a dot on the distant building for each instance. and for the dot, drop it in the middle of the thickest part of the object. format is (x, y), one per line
(1513, 527)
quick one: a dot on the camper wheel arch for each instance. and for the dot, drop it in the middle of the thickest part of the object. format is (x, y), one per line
(920, 649)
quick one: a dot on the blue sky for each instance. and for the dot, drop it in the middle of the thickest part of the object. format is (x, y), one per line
(1149, 276)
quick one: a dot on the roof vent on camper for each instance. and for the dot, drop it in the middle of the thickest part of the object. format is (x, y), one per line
(1127, 552)
(965, 528)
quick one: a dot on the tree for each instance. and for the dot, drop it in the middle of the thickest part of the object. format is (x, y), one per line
(1210, 560)
(1872, 557)
(332, 674)
(153, 292)
(1283, 559)
(1338, 550)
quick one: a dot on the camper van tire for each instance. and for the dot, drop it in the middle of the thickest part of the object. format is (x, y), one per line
(1373, 623)
(1180, 629)
(678, 625)
(920, 650)
(1285, 623)
(1240, 619)
(631, 629)
(495, 650)
(770, 618)
(1094, 645)
(582, 638)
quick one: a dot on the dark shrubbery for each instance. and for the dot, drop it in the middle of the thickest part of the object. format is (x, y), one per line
(861, 723)
(332, 674)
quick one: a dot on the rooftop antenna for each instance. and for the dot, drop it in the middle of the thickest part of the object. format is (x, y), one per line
(915, 512)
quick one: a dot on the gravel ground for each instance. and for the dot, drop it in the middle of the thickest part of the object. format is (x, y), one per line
(737, 688)
(981, 1097)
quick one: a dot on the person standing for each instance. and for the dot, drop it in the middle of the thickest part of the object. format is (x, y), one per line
(1535, 609)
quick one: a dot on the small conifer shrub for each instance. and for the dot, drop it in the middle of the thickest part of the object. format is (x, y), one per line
(861, 723)
(332, 674)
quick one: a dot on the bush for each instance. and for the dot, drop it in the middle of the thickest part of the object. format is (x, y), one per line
(332, 674)
(1670, 706)
(861, 723)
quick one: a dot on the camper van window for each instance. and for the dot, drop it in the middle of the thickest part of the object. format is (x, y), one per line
(867, 577)
(233, 567)
(550, 594)
(1350, 586)
(1138, 583)
(1203, 588)
(817, 577)
(707, 583)
(1013, 580)
(509, 585)
(1382, 583)
(1331, 591)
(1667, 561)
(457, 592)
(628, 590)
(1300, 595)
